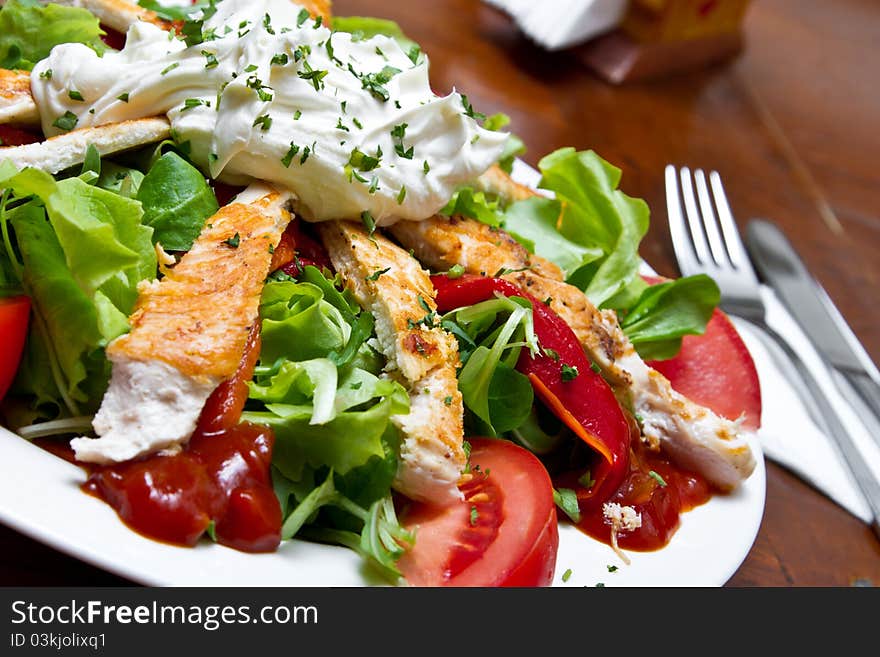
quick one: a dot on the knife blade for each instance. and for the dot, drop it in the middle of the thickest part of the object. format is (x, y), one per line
(782, 268)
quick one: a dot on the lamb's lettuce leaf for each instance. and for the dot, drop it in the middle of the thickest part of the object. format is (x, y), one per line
(666, 311)
(491, 335)
(176, 200)
(30, 29)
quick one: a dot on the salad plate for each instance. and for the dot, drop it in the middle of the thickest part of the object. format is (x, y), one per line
(41, 497)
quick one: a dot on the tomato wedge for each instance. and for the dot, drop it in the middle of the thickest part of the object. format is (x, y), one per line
(14, 316)
(503, 534)
(716, 370)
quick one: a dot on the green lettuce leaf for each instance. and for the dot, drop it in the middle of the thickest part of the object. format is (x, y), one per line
(81, 302)
(29, 30)
(491, 334)
(668, 311)
(177, 200)
(532, 222)
(364, 27)
(596, 215)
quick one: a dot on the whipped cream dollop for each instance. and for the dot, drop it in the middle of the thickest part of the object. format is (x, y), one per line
(347, 125)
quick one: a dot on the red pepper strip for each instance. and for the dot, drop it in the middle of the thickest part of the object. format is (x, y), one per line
(223, 409)
(296, 249)
(585, 403)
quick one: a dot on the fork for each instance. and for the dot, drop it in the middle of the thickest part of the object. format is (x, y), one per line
(706, 240)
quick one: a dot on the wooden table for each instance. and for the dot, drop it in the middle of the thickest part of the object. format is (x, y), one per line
(792, 126)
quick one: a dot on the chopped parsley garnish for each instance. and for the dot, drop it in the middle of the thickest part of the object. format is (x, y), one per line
(296, 115)
(455, 271)
(413, 54)
(375, 82)
(448, 400)
(257, 85)
(211, 59)
(586, 480)
(595, 367)
(329, 48)
(357, 123)
(566, 575)
(341, 126)
(315, 76)
(656, 477)
(569, 372)
(123, 97)
(47, 74)
(233, 241)
(267, 23)
(280, 59)
(398, 133)
(469, 109)
(302, 17)
(363, 162)
(318, 21)
(376, 274)
(356, 385)
(73, 94)
(551, 353)
(474, 516)
(291, 153)
(426, 167)
(368, 221)
(505, 270)
(66, 121)
(374, 185)
(250, 68)
(612, 569)
(264, 121)
(566, 499)
(401, 195)
(305, 155)
(189, 103)
(169, 68)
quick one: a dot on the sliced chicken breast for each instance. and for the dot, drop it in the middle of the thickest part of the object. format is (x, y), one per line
(188, 332)
(392, 285)
(692, 435)
(69, 149)
(17, 105)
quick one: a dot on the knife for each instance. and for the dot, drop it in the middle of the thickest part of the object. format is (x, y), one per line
(779, 265)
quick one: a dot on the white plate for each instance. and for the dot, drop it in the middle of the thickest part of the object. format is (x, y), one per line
(40, 496)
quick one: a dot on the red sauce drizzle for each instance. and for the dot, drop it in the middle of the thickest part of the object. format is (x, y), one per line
(222, 476)
(659, 505)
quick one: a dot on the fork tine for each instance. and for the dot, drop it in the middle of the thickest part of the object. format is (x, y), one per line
(695, 221)
(735, 248)
(710, 222)
(681, 241)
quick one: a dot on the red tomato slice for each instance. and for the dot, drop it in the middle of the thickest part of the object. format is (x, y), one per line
(503, 534)
(10, 136)
(14, 316)
(716, 370)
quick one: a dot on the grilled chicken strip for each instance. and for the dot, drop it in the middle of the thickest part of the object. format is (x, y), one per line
(391, 284)
(68, 149)
(188, 332)
(692, 435)
(17, 105)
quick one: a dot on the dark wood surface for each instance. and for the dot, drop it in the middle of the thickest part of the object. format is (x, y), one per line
(791, 125)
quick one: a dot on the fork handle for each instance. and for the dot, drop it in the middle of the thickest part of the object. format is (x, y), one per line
(864, 477)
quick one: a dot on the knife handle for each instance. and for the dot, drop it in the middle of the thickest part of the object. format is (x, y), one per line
(852, 457)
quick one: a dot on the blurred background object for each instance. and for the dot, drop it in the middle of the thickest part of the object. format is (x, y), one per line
(623, 40)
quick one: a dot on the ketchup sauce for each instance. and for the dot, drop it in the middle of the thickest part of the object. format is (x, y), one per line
(656, 488)
(221, 478)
